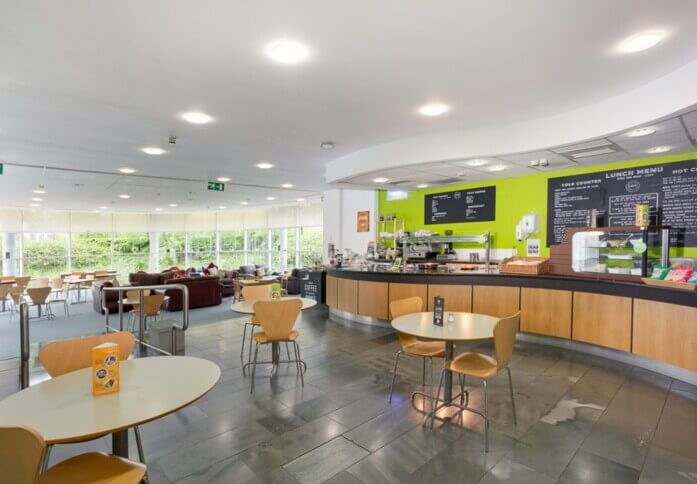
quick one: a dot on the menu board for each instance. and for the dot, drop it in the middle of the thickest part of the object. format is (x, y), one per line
(669, 189)
(473, 205)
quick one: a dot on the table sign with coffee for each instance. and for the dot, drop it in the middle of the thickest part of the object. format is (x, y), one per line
(438, 310)
(105, 369)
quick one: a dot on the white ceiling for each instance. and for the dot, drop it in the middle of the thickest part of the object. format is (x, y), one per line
(84, 85)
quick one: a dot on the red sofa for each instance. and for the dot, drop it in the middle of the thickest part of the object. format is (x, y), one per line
(203, 291)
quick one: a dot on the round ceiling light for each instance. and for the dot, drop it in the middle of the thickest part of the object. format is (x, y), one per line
(659, 149)
(196, 117)
(35, 204)
(127, 171)
(222, 207)
(497, 167)
(381, 179)
(37, 199)
(636, 133)
(271, 199)
(477, 162)
(287, 185)
(434, 109)
(223, 179)
(158, 209)
(39, 191)
(287, 51)
(103, 207)
(172, 205)
(124, 196)
(327, 145)
(244, 203)
(299, 199)
(152, 150)
(264, 165)
(422, 185)
(641, 41)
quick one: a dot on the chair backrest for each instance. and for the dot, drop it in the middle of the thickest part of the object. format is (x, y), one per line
(277, 318)
(409, 305)
(64, 356)
(133, 294)
(4, 291)
(22, 281)
(21, 454)
(256, 292)
(57, 283)
(40, 282)
(152, 303)
(38, 295)
(16, 293)
(504, 339)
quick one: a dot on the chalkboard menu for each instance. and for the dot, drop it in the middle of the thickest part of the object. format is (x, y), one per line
(473, 205)
(669, 189)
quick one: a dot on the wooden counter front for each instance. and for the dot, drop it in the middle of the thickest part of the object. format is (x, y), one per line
(402, 291)
(546, 311)
(603, 320)
(372, 299)
(332, 292)
(499, 301)
(457, 298)
(348, 296)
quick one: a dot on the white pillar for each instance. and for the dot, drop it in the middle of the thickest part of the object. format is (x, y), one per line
(154, 251)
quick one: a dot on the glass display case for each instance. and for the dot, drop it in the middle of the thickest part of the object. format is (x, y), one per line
(626, 251)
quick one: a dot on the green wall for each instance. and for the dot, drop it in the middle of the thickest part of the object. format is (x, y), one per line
(515, 197)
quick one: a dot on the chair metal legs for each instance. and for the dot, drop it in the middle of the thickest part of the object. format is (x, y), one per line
(141, 453)
(510, 388)
(254, 365)
(298, 362)
(486, 416)
(394, 373)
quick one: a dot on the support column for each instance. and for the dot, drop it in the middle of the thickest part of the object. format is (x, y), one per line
(9, 256)
(154, 251)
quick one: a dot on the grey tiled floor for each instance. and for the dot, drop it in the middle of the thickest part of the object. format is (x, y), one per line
(602, 422)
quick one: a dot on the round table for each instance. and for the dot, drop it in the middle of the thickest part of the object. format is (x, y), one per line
(63, 409)
(247, 307)
(136, 300)
(457, 327)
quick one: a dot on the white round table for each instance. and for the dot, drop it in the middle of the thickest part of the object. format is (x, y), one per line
(463, 327)
(63, 409)
(247, 307)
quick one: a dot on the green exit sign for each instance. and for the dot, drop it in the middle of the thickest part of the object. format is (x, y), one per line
(216, 186)
(2, 167)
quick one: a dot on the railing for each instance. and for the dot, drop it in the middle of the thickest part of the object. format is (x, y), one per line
(176, 326)
(23, 345)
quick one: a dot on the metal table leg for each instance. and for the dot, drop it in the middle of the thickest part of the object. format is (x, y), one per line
(119, 443)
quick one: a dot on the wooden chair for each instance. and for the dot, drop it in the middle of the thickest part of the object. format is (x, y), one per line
(63, 356)
(253, 293)
(22, 281)
(39, 297)
(16, 294)
(151, 307)
(484, 367)
(39, 282)
(60, 293)
(23, 450)
(277, 319)
(4, 292)
(411, 345)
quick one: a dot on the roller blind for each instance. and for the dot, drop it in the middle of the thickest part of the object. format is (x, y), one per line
(255, 218)
(91, 222)
(200, 222)
(309, 215)
(231, 220)
(131, 222)
(281, 217)
(168, 222)
(10, 220)
(43, 221)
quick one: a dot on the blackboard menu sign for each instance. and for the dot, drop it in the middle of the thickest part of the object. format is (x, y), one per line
(472, 205)
(669, 189)
(438, 309)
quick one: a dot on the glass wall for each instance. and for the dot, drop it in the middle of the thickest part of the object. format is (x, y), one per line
(90, 251)
(44, 254)
(258, 247)
(232, 253)
(310, 245)
(131, 252)
(171, 250)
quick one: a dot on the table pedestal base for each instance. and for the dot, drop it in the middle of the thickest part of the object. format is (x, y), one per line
(119, 443)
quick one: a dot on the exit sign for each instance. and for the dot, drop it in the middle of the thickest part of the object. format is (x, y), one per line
(216, 186)
(2, 167)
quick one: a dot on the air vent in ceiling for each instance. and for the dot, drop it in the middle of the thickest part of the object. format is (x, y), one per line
(583, 146)
(447, 181)
(589, 153)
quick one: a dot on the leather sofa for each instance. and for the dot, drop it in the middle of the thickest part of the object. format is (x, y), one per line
(227, 282)
(203, 291)
(112, 298)
(294, 282)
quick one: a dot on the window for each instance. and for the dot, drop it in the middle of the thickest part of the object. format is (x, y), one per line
(90, 251)
(131, 252)
(202, 248)
(45, 254)
(258, 246)
(292, 248)
(231, 249)
(171, 250)
(310, 245)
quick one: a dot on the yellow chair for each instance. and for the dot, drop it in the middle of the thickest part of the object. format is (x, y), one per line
(39, 282)
(39, 298)
(260, 292)
(22, 281)
(411, 345)
(23, 450)
(151, 306)
(484, 367)
(277, 319)
(64, 356)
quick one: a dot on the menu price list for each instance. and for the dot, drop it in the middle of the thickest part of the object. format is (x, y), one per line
(474, 205)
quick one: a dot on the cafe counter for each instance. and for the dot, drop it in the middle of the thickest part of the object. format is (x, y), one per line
(647, 326)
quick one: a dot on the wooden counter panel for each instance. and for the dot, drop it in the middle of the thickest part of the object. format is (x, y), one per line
(498, 301)
(332, 292)
(603, 320)
(546, 311)
(457, 298)
(665, 332)
(372, 299)
(347, 296)
(402, 291)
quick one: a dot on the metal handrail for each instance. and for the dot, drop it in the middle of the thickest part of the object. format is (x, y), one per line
(141, 326)
(24, 345)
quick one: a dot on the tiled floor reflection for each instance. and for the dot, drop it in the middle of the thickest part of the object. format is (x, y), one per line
(581, 419)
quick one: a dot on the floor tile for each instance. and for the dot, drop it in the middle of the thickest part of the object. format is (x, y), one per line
(547, 448)
(587, 468)
(325, 461)
(665, 467)
(507, 471)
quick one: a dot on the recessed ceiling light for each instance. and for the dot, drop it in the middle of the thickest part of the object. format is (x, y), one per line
(641, 41)
(35, 204)
(127, 171)
(244, 203)
(37, 199)
(172, 205)
(264, 165)
(287, 185)
(222, 207)
(658, 149)
(39, 191)
(477, 162)
(497, 167)
(152, 150)
(422, 185)
(124, 196)
(223, 179)
(327, 145)
(103, 207)
(287, 51)
(270, 199)
(299, 199)
(196, 117)
(434, 109)
(641, 132)
(158, 209)
(381, 179)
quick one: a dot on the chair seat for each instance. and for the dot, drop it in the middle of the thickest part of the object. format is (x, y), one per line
(433, 349)
(261, 337)
(93, 468)
(473, 364)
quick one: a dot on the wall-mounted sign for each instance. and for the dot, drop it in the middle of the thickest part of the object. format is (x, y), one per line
(363, 221)
(471, 205)
(668, 189)
(532, 247)
(216, 186)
